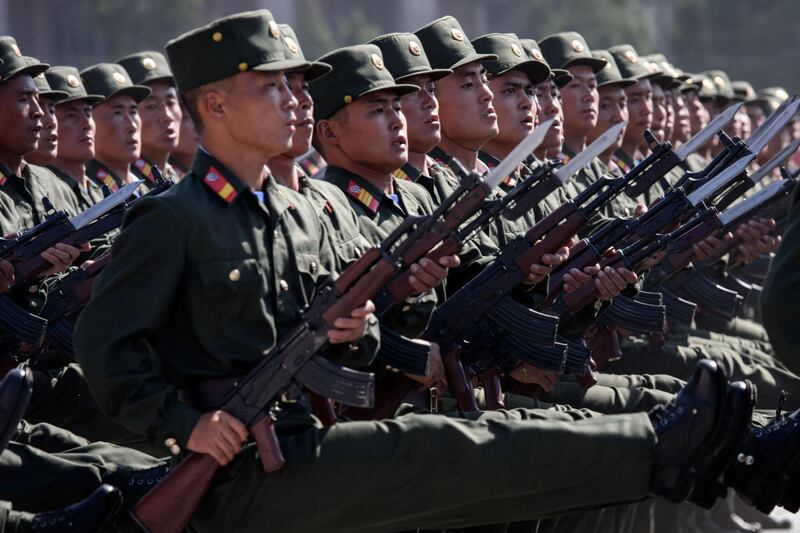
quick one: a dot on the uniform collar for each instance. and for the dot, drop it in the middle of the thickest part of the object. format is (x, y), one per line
(101, 175)
(5, 173)
(220, 181)
(144, 168)
(359, 189)
(491, 161)
(407, 172)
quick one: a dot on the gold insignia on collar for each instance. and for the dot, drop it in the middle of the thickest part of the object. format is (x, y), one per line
(516, 49)
(148, 63)
(73, 81)
(414, 48)
(457, 35)
(274, 30)
(290, 44)
(16, 50)
(630, 55)
(377, 61)
(118, 78)
(536, 54)
(577, 45)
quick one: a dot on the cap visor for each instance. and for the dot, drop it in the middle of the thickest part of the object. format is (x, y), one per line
(473, 57)
(594, 63)
(32, 70)
(137, 92)
(435, 74)
(283, 64)
(623, 83)
(316, 70)
(91, 99)
(57, 96)
(399, 88)
(536, 71)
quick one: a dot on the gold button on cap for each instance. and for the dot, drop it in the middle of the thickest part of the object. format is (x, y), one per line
(234, 275)
(242, 66)
(348, 99)
(284, 285)
(216, 37)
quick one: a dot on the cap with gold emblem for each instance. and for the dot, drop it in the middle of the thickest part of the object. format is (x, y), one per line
(669, 75)
(227, 46)
(68, 79)
(610, 75)
(12, 62)
(109, 80)
(568, 49)
(293, 51)
(744, 91)
(357, 71)
(630, 65)
(404, 56)
(722, 83)
(706, 88)
(446, 45)
(771, 98)
(43, 87)
(560, 76)
(146, 67)
(511, 55)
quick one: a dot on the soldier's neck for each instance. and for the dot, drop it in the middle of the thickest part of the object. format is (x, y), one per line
(498, 150)
(544, 154)
(120, 168)
(575, 141)
(74, 169)
(12, 161)
(183, 159)
(284, 171)
(606, 156)
(466, 156)
(246, 165)
(630, 148)
(418, 160)
(156, 157)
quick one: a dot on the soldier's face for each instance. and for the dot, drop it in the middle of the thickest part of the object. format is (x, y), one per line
(258, 112)
(465, 106)
(744, 122)
(640, 111)
(659, 112)
(698, 116)
(548, 96)
(47, 146)
(756, 114)
(682, 129)
(161, 118)
(373, 132)
(188, 139)
(515, 104)
(304, 127)
(421, 110)
(119, 129)
(579, 100)
(613, 110)
(75, 131)
(20, 116)
(732, 128)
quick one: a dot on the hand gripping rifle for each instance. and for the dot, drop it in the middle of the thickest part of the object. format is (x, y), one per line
(295, 359)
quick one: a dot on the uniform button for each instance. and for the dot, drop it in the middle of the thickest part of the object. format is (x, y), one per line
(284, 285)
(172, 444)
(275, 233)
(234, 275)
(33, 289)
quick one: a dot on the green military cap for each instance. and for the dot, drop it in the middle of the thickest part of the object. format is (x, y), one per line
(404, 56)
(446, 45)
(146, 67)
(559, 76)
(227, 46)
(68, 79)
(778, 93)
(610, 75)
(630, 64)
(669, 75)
(744, 90)
(706, 88)
(567, 49)
(12, 61)
(510, 55)
(43, 87)
(357, 71)
(722, 83)
(110, 79)
(293, 51)
(771, 98)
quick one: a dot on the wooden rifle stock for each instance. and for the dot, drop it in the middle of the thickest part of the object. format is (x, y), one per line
(457, 380)
(493, 389)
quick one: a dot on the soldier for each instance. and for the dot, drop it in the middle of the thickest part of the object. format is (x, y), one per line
(76, 135)
(181, 156)
(48, 138)
(160, 113)
(218, 228)
(118, 124)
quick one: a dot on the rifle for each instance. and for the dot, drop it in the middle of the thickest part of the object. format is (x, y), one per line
(295, 359)
(631, 314)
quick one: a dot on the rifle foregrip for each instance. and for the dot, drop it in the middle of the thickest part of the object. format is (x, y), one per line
(169, 506)
(457, 381)
(493, 390)
(356, 270)
(321, 408)
(580, 258)
(269, 448)
(362, 290)
(399, 287)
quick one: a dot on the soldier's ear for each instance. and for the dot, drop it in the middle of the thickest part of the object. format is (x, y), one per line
(328, 132)
(212, 103)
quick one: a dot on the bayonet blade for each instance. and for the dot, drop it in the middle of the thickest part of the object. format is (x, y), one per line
(511, 162)
(758, 141)
(589, 153)
(775, 162)
(704, 135)
(760, 129)
(105, 205)
(720, 181)
(741, 209)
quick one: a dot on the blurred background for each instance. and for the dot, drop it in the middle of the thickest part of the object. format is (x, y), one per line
(756, 40)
